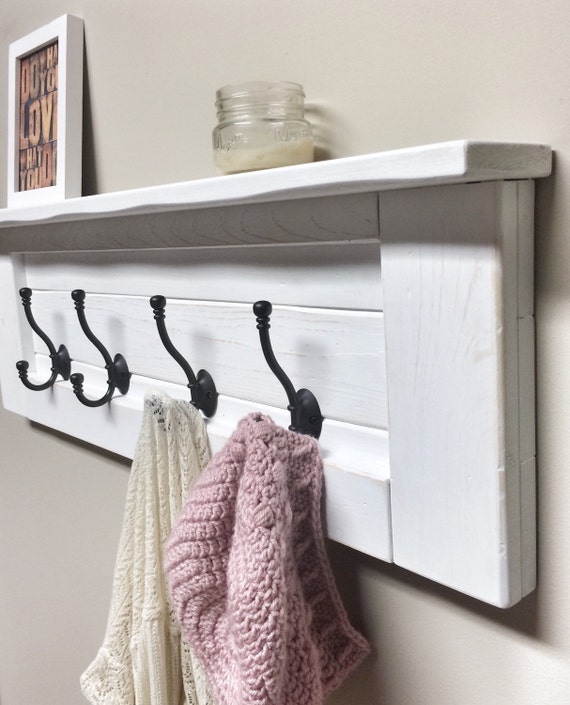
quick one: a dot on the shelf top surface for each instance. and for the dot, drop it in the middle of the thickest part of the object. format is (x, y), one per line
(455, 162)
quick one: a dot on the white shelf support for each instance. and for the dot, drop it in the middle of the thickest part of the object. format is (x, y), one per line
(457, 274)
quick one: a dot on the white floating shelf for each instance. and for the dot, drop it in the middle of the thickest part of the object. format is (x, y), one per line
(456, 162)
(423, 365)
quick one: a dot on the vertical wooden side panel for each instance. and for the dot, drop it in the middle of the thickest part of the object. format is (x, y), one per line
(519, 219)
(15, 346)
(451, 292)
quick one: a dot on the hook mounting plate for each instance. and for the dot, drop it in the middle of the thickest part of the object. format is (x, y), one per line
(62, 362)
(120, 373)
(308, 417)
(204, 393)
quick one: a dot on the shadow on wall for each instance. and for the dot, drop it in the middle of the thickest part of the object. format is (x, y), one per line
(89, 176)
(353, 574)
(327, 126)
(72, 441)
(547, 249)
(346, 562)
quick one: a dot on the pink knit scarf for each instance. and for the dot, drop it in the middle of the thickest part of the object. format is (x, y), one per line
(249, 576)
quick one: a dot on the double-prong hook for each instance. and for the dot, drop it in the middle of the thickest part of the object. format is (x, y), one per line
(306, 414)
(119, 376)
(60, 360)
(203, 394)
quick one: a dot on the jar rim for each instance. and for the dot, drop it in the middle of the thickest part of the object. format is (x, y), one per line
(251, 87)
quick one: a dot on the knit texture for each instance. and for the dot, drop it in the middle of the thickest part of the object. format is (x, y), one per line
(249, 576)
(144, 659)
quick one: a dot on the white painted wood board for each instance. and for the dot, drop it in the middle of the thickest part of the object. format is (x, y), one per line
(15, 339)
(355, 458)
(459, 161)
(346, 276)
(457, 271)
(315, 343)
(348, 218)
(315, 346)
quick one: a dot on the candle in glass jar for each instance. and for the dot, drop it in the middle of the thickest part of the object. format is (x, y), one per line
(261, 125)
(238, 159)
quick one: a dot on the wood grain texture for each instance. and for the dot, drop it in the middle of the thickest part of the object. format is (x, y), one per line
(343, 276)
(453, 290)
(356, 468)
(337, 354)
(353, 217)
(460, 161)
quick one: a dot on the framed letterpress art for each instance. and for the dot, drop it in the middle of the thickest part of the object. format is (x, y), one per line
(45, 105)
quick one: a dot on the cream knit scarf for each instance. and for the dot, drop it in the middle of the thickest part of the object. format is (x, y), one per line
(143, 658)
(249, 576)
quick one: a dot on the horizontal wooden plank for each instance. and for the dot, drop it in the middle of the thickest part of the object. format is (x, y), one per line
(458, 161)
(337, 354)
(347, 218)
(356, 466)
(344, 276)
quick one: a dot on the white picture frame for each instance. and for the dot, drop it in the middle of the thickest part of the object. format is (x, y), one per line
(45, 105)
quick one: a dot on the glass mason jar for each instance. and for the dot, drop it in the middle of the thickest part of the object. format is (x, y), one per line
(261, 125)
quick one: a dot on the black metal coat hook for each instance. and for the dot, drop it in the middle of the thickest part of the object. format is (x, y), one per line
(203, 392)
(119, 376)
(306, 415)
(60, 360)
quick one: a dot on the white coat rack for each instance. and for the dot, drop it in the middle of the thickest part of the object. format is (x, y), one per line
(402, 291)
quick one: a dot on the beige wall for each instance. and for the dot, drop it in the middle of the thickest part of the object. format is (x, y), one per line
(378, 74)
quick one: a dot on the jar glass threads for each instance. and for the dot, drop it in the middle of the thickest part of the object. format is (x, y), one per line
(261, 125)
